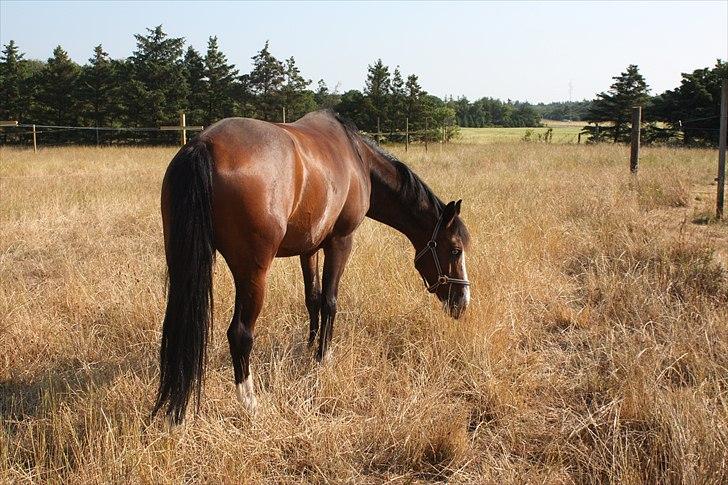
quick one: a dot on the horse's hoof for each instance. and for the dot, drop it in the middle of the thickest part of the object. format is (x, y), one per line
(325, 358)
(171, 424)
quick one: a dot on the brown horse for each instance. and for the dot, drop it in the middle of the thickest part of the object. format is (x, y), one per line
(254, 190)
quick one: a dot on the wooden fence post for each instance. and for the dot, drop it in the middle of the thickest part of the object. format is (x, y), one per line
(634, 157)
(721, 149)
(406, 134)
(35, 141)
(182, 128)
(183, 124)
(578, 139)
(379, 131)
(284, 114)
(426, 133)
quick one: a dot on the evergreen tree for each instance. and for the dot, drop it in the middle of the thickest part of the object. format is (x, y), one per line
(245, 99)
(615, 105)
(158, 90)
(294, 94)
(524, 115)
(693, 108)
(14, 98)
(414, 108)
(377, 91)
(324, 98)
(265, 81)
(57, 92)
(98, 94)
(463, 108)
(194, 72)
(397, 102)
(354, 106)
(220, 79)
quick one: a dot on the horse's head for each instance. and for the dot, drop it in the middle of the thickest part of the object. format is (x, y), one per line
(441, 261)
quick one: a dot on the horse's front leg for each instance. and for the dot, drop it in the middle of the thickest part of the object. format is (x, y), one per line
(336, 253)
(312, 289)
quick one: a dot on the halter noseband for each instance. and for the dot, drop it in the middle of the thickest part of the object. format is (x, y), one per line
(442, 279)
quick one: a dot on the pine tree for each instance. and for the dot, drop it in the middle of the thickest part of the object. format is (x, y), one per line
(194, 73)
(377, 91)
(294, 94)
(98, 94)
(57, 92)
(324, 97)
(693, 108)
(245, 100)
(220, 79)
(354, 106)
(14, 102)
(158, 90)
(265, 81)
(414, 107)
(615, 105)
(397, 101)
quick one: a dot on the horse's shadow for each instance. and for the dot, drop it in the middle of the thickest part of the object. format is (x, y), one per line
(24, 399)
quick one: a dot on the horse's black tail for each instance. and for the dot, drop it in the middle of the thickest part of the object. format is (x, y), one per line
(187, 209)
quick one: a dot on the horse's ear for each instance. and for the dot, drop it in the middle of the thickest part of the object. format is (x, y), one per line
(452, 209)
(457, 206)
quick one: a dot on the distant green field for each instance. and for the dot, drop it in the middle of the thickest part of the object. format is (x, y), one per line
(562, 133)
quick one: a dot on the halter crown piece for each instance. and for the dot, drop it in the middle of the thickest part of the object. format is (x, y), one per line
(442, 279)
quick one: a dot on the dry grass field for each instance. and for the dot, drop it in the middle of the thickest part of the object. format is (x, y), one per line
(595, 349)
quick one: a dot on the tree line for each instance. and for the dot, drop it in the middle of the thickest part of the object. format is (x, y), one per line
(161, 78)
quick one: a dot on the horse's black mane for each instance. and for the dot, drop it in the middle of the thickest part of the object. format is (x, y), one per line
(412, 189)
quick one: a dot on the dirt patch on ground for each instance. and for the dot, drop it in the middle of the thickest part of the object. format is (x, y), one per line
(696, 221)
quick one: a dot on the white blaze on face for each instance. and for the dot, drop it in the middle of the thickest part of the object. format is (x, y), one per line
(466, 288)
(246, 395)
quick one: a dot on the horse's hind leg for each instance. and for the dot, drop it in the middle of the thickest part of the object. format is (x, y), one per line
(312, 288)
(249, 296)
(336, 253)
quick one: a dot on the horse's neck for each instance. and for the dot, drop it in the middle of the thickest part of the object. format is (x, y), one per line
(387, 206)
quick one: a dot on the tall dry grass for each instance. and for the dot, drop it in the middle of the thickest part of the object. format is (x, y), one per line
(595, 348)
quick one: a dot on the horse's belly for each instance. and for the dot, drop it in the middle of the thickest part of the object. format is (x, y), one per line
(310, 227)
(307, 229)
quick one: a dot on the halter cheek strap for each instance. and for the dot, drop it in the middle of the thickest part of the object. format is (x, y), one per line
(442, 279)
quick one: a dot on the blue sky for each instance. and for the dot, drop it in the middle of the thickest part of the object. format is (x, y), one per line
(518, 50)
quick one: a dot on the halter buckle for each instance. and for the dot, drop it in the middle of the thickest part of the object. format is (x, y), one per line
(442, 280)
(432, 244)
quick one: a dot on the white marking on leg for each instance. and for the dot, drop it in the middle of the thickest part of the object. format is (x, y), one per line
(328, 355)
(246, 394)
(169, 423)
(466, 289)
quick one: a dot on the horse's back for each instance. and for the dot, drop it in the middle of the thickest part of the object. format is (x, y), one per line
(293, 185)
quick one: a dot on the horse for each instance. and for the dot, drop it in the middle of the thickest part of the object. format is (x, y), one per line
(253, 191)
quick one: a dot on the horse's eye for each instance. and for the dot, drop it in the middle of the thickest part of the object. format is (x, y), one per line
(456, 252)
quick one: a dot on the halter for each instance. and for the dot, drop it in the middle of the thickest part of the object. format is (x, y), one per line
(442, 279)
